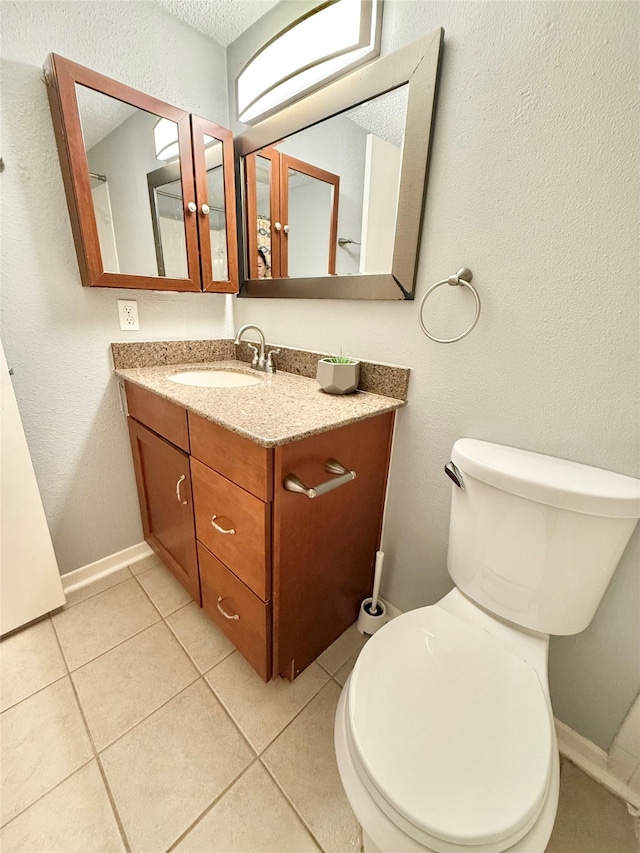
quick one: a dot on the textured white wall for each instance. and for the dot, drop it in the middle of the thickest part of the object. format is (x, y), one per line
(57, 334)
(534, 186)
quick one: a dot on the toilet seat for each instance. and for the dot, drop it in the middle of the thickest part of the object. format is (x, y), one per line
(466, 750)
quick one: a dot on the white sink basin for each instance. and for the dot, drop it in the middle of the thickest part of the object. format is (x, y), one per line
(214, 379)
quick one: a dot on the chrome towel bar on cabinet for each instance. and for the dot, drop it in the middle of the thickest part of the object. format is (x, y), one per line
(292, 483)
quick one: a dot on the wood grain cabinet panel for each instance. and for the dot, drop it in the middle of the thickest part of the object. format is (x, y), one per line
(162, 416)
(243, 617)
(164, 490)
(245, 546)
(324, 548)
(244, 462)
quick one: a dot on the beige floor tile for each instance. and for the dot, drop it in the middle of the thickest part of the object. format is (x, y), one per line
(200, 636)
(29, 660)
(252, 817)
(123, 686)
(303, 762)
(590, 819)
(91, 589)
(145, 564)
(167, 770)
(345, 670)
(44, 740)
(98, 624)
(76, 817)
(164, 590)
(262, 710)
(342, 649)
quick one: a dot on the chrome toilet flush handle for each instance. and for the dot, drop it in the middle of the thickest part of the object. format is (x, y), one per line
(452, 471)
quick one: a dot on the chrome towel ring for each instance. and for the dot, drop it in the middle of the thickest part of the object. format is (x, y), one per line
(463, 277)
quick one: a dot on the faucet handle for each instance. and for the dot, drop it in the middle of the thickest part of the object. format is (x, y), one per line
(254, 360)
(270, 366)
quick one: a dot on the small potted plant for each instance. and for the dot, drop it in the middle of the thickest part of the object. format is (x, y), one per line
(338, 374)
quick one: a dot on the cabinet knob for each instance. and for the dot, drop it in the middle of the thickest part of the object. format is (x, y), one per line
(205, 209)
(286, 229)
(192, 207)
(277, 226)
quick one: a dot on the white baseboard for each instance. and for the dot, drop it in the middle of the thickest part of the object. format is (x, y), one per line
(594, 761)
(101, 568)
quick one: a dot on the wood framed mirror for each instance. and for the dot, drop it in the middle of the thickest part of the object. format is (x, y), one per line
(371, 129)
(149, 187)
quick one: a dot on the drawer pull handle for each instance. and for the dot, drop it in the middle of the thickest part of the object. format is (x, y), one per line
(223, 611)
(178, 484)
(294, 484)
(231, 530)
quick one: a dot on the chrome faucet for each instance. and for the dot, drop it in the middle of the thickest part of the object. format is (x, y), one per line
(260, 361)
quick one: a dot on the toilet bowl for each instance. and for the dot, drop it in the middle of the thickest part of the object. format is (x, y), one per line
(444, 732)
(465, 758)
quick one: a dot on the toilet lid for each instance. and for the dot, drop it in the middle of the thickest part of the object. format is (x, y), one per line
(451, 728)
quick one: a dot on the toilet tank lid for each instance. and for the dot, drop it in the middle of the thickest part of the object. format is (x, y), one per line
(549, 480)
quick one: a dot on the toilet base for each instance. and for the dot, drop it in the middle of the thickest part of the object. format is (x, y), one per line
(381, 835)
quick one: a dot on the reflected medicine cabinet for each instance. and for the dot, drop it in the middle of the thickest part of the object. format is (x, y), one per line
(150, 188)
(292, 215)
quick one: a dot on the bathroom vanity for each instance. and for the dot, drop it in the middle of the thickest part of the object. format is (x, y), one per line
(280, 572)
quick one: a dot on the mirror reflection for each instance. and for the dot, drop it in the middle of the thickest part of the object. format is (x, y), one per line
(121, 152)
(324, 200)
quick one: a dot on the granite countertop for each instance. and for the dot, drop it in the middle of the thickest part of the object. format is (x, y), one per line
(281, 409)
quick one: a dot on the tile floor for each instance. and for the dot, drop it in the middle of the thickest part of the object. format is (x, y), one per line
(130, 723)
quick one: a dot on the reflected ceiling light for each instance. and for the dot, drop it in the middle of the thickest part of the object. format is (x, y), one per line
(322, 45)
(165, 136)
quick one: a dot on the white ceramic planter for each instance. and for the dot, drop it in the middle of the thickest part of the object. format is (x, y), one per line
(338, 378)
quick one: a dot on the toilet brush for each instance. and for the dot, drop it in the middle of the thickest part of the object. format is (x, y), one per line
(373, 613)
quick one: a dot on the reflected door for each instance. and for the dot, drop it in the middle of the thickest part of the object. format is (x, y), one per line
(292, 216)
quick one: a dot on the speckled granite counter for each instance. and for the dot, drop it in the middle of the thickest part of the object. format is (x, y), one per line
(281, 409)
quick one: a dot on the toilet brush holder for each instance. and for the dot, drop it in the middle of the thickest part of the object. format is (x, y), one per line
(369, 620)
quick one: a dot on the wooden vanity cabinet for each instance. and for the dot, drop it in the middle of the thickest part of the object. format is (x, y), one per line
(164, 491)
(281, 574)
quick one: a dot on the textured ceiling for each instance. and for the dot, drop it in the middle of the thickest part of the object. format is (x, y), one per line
(222, 20)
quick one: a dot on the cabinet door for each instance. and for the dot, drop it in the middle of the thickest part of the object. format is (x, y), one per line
(130, 180)
(324, 548)
(216, 214)
(166, 504)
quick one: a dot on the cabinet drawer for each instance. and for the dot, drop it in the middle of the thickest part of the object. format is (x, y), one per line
(163, 417)
(242, 461)
(223, 593)
(247, 550)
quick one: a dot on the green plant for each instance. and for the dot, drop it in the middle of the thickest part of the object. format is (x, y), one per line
(340, 359)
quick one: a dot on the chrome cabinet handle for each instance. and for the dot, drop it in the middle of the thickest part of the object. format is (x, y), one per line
(178, 484)
(231, 530)
(292, 483)
(223, 611)
(192, 207)
(205, 209)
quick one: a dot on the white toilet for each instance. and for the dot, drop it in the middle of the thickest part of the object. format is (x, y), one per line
(444, 732)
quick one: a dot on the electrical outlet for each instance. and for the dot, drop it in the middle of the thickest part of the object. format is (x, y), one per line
(128, 315)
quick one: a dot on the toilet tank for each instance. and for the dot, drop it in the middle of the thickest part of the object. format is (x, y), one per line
(536, 539)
